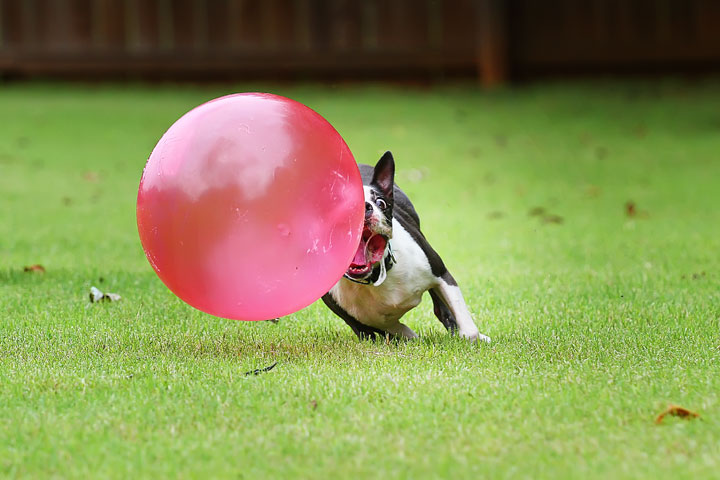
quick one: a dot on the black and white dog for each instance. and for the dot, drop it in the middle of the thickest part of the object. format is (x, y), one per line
(393, 266)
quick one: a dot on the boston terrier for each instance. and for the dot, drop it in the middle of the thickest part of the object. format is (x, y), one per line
(393, 266)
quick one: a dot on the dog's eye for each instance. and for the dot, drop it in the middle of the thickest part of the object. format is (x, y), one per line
(381, 203)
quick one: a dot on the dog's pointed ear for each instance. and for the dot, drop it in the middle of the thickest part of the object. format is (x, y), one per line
(384, 175)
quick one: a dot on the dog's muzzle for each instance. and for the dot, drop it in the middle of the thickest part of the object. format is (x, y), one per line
(372, 260)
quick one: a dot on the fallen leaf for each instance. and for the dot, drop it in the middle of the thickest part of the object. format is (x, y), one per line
(536, 211)
(676, 411)
(553, 219)
(593, 191)
(91, 177)
(97, 296)
(34, 268)
(630, 209)
(258, 371)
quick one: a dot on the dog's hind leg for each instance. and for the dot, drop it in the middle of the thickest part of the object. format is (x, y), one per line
(442, 312)
(448, 291)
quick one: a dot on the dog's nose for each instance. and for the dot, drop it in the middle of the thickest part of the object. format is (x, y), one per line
(368, 209)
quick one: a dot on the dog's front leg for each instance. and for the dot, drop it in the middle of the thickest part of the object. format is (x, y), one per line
(400, 330)
(448, 291)
(363, 332)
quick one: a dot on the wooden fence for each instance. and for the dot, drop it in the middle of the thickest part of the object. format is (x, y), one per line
(235, 39)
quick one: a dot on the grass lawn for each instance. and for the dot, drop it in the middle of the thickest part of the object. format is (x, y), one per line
(601, 314)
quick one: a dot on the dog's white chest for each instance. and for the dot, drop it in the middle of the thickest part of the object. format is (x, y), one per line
(383, 305)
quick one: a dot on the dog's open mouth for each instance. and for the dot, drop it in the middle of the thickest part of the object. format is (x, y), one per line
(369, 252)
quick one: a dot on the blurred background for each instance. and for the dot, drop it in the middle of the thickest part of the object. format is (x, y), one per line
(493, 41)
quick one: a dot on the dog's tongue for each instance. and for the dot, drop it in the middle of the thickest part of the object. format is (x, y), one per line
(374, 247)
(360, 255)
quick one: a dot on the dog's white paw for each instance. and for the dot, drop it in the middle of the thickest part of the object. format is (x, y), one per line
(475, 336)
(482, 338)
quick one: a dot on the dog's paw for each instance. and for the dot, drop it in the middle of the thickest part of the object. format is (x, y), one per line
(475, 336)
(482, 338)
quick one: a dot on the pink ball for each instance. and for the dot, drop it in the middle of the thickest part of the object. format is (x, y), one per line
(250, 207)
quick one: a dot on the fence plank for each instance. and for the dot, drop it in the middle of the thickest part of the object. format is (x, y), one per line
(493, 45)
(370, 25)
(2, 23)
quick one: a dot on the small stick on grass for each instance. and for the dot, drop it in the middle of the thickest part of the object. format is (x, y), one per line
(258, 371)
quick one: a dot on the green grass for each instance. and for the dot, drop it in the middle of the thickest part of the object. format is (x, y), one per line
(597, 322)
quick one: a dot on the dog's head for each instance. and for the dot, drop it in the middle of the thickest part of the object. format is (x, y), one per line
(377, 231)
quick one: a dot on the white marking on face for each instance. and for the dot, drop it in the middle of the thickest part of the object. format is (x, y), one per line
(377, 222)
